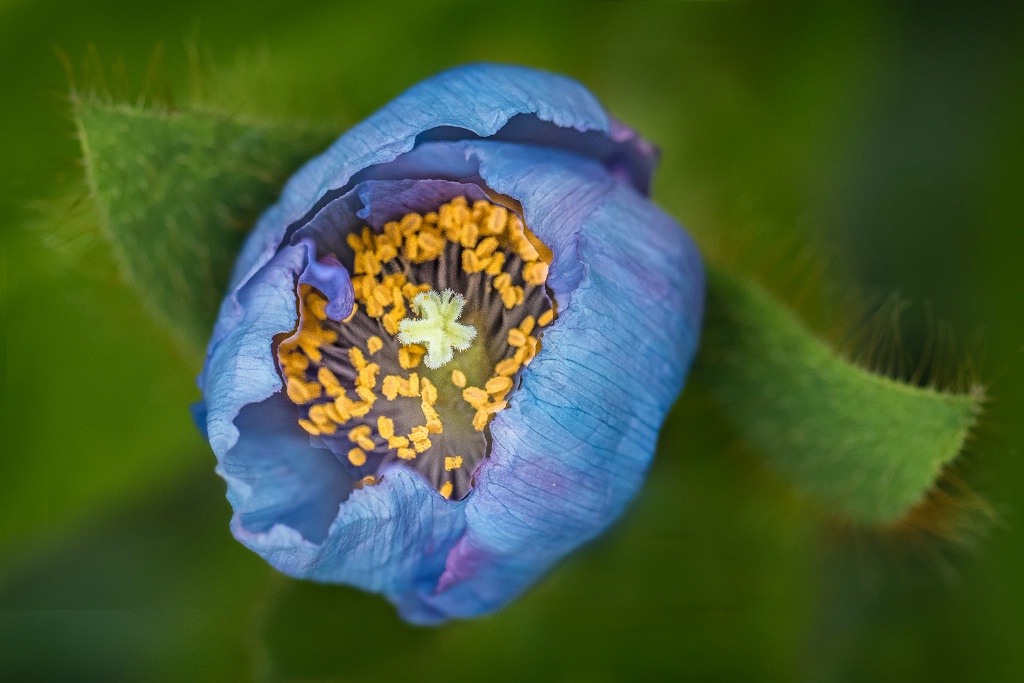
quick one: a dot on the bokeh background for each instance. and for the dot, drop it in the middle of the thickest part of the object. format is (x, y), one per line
(887, 135)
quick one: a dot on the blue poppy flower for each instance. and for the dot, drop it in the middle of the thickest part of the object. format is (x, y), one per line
(447, 351)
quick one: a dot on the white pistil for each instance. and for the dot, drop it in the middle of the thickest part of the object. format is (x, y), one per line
(438, 328)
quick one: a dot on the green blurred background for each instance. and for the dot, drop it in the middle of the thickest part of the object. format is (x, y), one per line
(888, 135)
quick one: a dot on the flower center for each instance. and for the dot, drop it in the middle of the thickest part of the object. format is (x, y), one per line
(383, 385)
(439, 329)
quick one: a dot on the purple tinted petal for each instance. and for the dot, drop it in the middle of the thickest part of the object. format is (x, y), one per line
(558, 191)
(574, 445)
(476, 100)
(240, 367)
(276, 477)
(390, 538)
(330, 277)
(374, 203)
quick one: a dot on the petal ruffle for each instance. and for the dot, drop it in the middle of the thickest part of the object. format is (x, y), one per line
(240, 368)
(574, 445)
(287, 495)
(502, 102)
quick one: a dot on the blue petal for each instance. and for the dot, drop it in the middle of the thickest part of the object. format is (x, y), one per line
(563, 190)
(374, 203)
(509, 103)
(276, 477)
(574, 445)
(240, 367)
(287, 494)
(328, 275)
(393, 538)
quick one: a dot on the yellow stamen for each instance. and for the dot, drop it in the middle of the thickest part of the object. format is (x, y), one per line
(535, 273)
(410, 355)
(317, 305)
(330, 382)
(546, 317)
(474, 396)
(409, 291)
(368, 376)
(390, 387)
(486, 247)
(406, 453)
(411, 249)
(496, 385)
(393, 320)
(543, 252)
(359, 432)
(428, 392)
(494, 223)
(452, 463)
(357, 457)
(382, 294)
(293, 363)
(527, 251)
(375, 344)
(394, 233)
(431, 244)
(496, 264)
(458, 378)
(318, 414)
(386, 252)
(302, 392)
(471, 262)
(361, 408)
(361, 435)
(516, 337)
(507, 367)
(343, 404)
(446, 489)
(434, 425)
(373, 308)
(495, 407)
(411, 222)
(512, 296)
(386, 427)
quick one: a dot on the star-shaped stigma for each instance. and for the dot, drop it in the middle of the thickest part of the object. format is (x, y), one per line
(438, 328)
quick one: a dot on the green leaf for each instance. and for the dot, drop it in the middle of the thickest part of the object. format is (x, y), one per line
(177, 192)
(867, 446)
